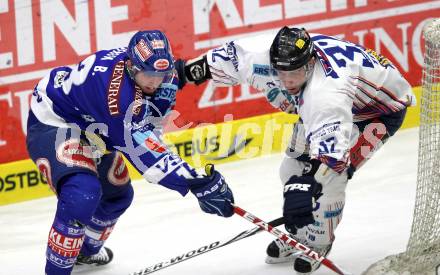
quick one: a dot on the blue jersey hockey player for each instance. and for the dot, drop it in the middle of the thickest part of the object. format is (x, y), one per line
(83, 119)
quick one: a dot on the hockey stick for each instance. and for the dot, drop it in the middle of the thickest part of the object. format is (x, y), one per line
(290, 241)
(204, 249)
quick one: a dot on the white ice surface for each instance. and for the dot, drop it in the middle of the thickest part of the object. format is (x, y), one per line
(161, 224)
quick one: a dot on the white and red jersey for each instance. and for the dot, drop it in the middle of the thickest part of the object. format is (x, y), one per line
(349, 84)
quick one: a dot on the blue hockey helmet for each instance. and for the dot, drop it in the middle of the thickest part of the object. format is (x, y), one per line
(150, 53)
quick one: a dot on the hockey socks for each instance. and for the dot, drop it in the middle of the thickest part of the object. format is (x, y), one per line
(64, 244)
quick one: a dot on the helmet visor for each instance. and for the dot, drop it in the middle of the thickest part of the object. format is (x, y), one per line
(163, 76)
(150, 82)
(293, 80)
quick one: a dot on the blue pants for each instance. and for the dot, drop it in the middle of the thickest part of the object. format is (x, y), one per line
(92, 192)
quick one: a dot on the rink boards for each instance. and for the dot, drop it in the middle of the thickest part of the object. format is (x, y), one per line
(57, 33)
(211, 143)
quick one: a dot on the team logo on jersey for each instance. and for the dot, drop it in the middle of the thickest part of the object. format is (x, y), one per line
(73, 152)
(158, 44)
(118, 172)
(161, 64)
(142, 51)
(114, 88)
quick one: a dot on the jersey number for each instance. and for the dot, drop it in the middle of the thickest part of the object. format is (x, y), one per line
(327, 146)
(220, 53)
(78, 74)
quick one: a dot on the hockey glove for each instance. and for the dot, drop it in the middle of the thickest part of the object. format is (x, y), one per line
(214, 195)
(300, 196)
(195, 71)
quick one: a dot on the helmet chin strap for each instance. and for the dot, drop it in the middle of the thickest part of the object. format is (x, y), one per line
(309, 69)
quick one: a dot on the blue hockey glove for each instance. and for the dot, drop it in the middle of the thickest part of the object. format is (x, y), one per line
(300, 196)
(214, 195)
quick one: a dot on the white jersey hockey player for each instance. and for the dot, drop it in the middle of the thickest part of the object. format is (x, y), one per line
(349, 99)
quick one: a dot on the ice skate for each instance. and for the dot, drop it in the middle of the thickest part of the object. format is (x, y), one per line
(103, 257)
(280, 252)
(304, 265)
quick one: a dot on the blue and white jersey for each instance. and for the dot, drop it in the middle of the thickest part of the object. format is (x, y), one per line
(98, 96)
(349, 84)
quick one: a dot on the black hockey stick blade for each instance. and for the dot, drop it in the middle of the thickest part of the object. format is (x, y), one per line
(204, 249)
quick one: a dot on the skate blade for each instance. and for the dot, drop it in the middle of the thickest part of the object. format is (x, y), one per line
(86, 268)
(276, 260)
